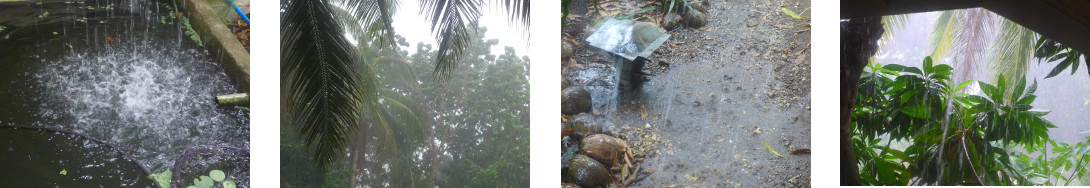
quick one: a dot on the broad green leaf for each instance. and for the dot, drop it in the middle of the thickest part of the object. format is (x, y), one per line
(791, 13)
(991, 91)
(1027, 100)
(203, 182)
(162, 178)
(1059, 68)
(943, 69)
(914, 70)
(1001, 84)
(229, 184)
(1037, 112)
(961, 86)
(895, 67)
(217, 175)
(927, 66)
(916, 111)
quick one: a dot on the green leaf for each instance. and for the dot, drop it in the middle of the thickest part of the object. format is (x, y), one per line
(217, 175)
(943, 69)
(229, 184)
(914, 70)
(916, 111)
(1059, 68)
(64, 171)
(961, 86)
(203, 182)
(895, 67)
(927, 66)
(162, 178)
(791, 13)
(1037, 112)
(1019, 89)
(991, 91)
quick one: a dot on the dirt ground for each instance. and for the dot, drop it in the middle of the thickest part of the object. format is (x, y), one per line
(715, 96)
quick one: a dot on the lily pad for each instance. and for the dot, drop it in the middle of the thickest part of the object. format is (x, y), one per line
(162, 178)
(204, 182)
(217, 175)
(228, 184)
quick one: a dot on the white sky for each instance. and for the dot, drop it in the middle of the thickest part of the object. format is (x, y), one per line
(410, 24)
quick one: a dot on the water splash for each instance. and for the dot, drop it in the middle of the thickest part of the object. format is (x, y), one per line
(154, 102)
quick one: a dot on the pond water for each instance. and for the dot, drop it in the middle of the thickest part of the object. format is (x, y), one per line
(124, 72)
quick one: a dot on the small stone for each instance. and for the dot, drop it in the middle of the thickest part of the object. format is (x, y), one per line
(567, 49)
(671, 21)
(757, 131)
(696, 19)
(575, 100)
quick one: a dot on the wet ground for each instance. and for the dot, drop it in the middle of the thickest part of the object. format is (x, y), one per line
(715, 96)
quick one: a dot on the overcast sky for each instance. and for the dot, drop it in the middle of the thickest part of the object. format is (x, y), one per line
(410, 24)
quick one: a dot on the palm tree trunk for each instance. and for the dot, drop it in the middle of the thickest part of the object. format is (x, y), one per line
(859, 41)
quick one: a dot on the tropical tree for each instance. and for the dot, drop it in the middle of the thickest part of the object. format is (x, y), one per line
(951, 138)
(329, 90)
(972, 36)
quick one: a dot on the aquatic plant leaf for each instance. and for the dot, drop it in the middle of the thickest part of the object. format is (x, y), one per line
(770, 149)
(229, 184)
(162, 178)
(791, 13)
(203, 182)
(64, 171)
(217, 175)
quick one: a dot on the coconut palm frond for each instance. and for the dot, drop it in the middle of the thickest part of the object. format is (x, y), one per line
(376, 17)
(1011, 53)
(893, 24)
(320, 81)
(518, 12)
(451, 24)
(973, 40)
(942, 35)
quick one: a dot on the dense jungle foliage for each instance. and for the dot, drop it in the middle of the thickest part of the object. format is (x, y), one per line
(479, 125)
(913, 126)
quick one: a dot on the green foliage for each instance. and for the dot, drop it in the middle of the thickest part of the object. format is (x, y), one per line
(322, 89)
(1049, 50)
(217, 175)
(203, 181)
(162, 178)
(953, 138)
